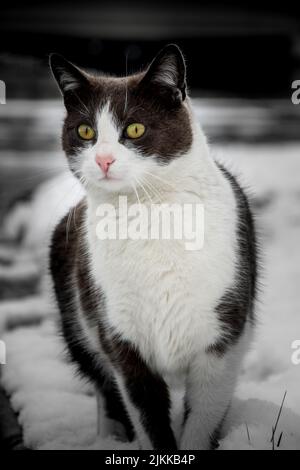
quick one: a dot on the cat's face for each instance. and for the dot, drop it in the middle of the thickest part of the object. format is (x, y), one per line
(119, 131)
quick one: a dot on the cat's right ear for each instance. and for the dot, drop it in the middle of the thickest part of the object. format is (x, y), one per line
(68, 77)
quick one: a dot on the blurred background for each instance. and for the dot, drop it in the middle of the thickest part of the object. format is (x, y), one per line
(242, 58)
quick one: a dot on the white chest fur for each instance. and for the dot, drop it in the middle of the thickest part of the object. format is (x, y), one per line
(160, 296)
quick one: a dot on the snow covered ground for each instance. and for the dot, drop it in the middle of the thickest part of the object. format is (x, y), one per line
(58, 410)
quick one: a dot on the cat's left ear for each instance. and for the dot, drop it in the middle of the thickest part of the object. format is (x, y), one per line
(168, 70)
(68, 76)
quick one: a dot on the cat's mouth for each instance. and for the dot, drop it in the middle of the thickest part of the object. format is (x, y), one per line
(110, 178)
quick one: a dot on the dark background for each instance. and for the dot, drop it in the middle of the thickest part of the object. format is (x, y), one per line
(246, 49)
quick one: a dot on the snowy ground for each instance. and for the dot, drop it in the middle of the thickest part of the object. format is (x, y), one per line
(57, 409)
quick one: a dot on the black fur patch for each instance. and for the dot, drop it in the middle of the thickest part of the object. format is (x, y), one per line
(146, 389)
(236, 307)
(69, 270)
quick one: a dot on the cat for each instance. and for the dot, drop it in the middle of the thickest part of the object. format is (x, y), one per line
(147, 320)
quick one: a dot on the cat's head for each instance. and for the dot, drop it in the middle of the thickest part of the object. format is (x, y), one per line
(119, 131)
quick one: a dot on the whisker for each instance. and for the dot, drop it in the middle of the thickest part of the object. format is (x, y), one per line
(68, 225)
(63, 199)
(145, 191)
(126, 85)
(161, 179)
(85, 107)
(74, 217)
(72, 214)
(84, 182)
(137, 195)
(152, 188)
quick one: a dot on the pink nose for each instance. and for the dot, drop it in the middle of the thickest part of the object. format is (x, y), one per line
(104, 161)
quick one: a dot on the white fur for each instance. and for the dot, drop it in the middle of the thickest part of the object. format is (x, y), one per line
(159, 296)
(209, 389)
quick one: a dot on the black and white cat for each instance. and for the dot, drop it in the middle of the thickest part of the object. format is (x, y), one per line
(146, 319)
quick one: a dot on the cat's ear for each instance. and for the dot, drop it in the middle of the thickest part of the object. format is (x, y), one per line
(168, 70)
(68, 76)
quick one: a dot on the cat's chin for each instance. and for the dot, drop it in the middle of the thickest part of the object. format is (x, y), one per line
(112, 185)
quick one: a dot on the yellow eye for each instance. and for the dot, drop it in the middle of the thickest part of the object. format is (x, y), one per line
(135, 130)
(86, 132)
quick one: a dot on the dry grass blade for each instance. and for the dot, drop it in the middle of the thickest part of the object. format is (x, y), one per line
(279, 440)
(277, 420)
(248, 433)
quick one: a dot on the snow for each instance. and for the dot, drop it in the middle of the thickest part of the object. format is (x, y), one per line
(52, 200)
(273, 172)
(250, 425)
(57, 409)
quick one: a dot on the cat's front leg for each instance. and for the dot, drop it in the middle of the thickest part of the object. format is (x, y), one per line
(146, 398)
(209, 390)
(119, 426)
(105, 425)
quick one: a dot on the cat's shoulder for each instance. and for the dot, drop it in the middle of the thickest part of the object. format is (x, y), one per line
(66, 235)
